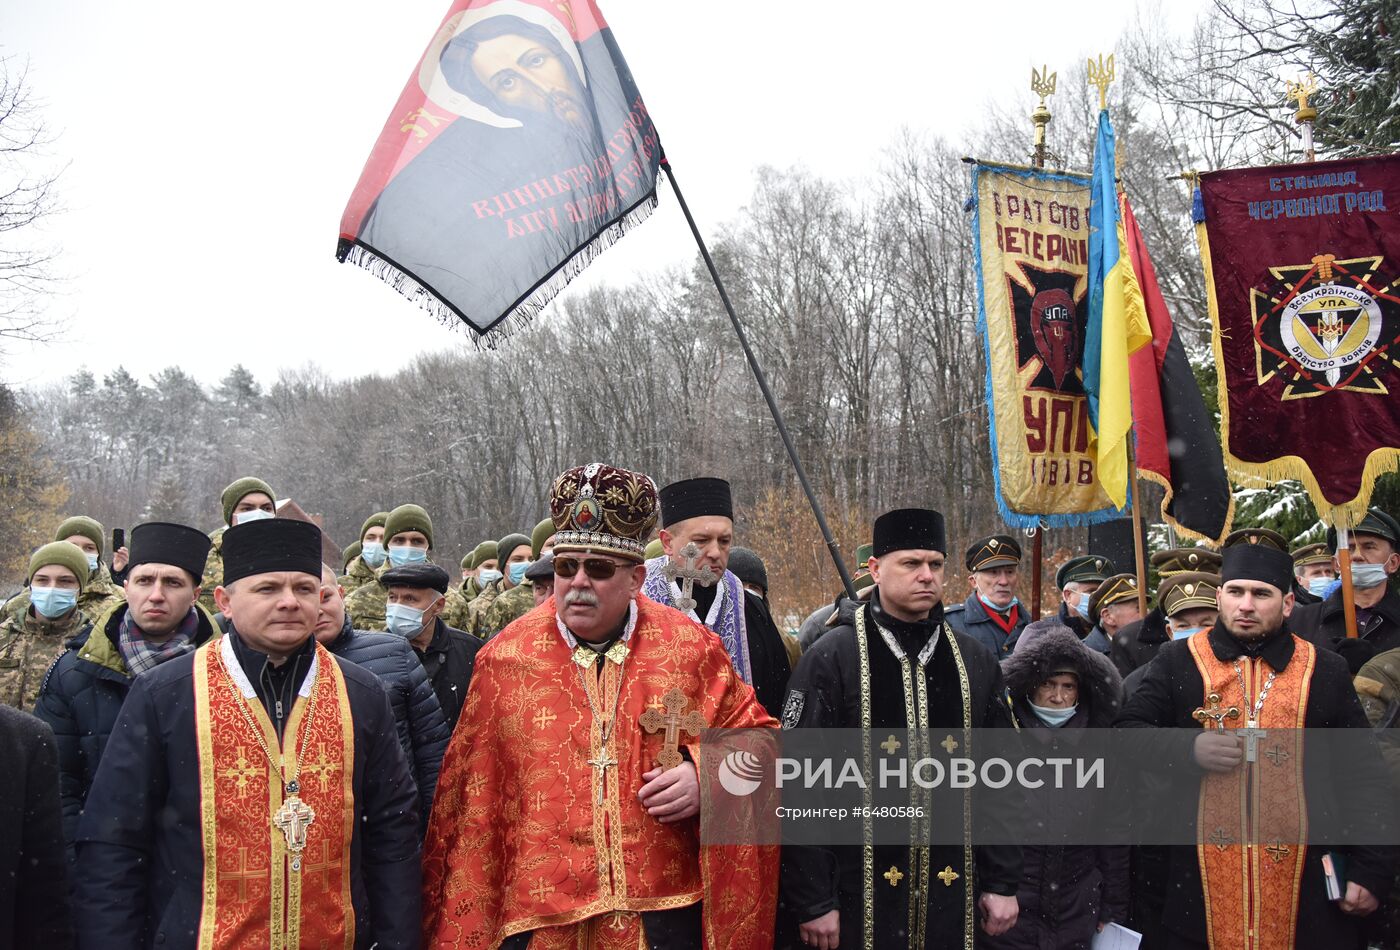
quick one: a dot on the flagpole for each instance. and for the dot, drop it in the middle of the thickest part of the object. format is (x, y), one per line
(1043, 84)
(762, 380)
(1139, 559)
(1344, 565)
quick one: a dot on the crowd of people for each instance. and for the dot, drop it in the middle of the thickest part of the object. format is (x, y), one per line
(219, 740)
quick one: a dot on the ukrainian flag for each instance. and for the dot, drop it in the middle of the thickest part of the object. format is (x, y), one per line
(1117, 324)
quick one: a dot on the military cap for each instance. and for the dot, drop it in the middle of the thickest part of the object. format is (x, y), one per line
(507, 545)
(1265, 536)
(998, 550)
(1114, 590)
(1085, 569)
(376, 520)
(748, 567)
(1178, 560)
(654, 549)
(423, 574)
(240, 489)
(1309, 554)
(1376, 523)
(483, 552)
(61, 554)
(350, 553)
(863, 555)
(542, 533)
(604, 509)
(408, 518)
(468, 560)
(81, 524)
(1186, 590)
(542, 568)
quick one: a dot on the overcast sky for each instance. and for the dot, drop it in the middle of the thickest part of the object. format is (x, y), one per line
(211, 148)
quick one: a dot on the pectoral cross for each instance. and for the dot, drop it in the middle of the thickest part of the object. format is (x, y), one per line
(685, 573)
(1251, 734)
(601, 764)
(293, 819)
(673, 721)
(1215, 712)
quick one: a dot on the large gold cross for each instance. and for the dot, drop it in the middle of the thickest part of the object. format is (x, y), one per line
(673, 721)
(322, 768)
(241, 771)
(1214, 712)
(294, 819)
(244, 875)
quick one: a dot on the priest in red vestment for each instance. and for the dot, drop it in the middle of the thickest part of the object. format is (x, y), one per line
(555, 825)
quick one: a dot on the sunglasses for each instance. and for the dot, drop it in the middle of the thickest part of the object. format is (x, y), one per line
(597, 568)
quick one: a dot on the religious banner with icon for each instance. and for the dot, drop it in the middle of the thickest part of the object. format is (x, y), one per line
(1031, 231)
(519, 150)
(1302, 267)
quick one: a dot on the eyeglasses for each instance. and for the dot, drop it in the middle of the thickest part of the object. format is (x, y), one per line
(597, 568)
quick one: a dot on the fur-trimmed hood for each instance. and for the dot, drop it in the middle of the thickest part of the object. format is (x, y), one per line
(1052, 647)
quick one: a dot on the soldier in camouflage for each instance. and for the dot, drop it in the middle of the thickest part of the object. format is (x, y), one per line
(247, 499)
(514, 556)
(370, 556)
(478, 570)
(520, 599)
(100, 593)
(408, 531)
(31, 642)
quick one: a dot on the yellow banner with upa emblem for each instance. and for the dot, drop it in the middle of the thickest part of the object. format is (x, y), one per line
(1031, 230)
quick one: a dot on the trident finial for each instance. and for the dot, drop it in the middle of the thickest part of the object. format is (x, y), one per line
(1042, 84)
(1299, 92)
(1101, 74)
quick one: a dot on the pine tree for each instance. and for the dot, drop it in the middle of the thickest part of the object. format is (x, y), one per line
(1358, 60)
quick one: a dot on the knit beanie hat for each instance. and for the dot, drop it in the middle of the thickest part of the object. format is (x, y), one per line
(509, 543)
(485, 551)
(81, 524)
(375, 520)
(239, 490)
(408, 518)
(61, 554)
(539, 536)
(350, 553)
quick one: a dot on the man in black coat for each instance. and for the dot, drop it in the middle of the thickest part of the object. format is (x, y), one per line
(901, 627)
(160, 620)
(257, 769)
(423, 731)
(1076, 580)
(34, 894)
(1280, 684)
(1375, 560)
(417, 594)
(1136, 643)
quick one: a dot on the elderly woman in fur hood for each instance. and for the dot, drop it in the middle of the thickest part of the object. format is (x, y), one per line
(1068, 892)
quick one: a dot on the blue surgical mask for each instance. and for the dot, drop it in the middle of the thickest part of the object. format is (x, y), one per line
(92, 561)
(403, 620)
(1183, 634)
(487, 576)
(401, 554)
(1054, 718)
(991, 606)
(53, 602)
(1320, 586)
(257, 514)
(1367, 576)
(372, 553)
(517, 571)
(1081, 607)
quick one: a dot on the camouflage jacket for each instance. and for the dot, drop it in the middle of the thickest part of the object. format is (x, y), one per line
(365, 607)
(99, 596)
(29, 645)
(1378, 688)
(469, 589)
(357, 576)
(476, 610)
(512, 605)
(213, 570)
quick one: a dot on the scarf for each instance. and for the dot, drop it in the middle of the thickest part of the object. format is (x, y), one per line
(142, 656)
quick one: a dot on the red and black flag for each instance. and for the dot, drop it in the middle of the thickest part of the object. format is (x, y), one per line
(518, 151)
(1176, 442)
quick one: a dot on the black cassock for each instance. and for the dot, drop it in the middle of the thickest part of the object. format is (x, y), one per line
(768, 658)
(825, 692)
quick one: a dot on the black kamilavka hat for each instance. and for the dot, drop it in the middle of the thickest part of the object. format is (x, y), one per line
(909, 529)
(696, 498)
(163, 542)
(271, 545)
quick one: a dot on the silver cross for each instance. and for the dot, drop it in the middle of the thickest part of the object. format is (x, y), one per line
(687, 574)
(1251, 734)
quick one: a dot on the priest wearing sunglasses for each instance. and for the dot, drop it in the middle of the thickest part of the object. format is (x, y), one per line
(561, 819)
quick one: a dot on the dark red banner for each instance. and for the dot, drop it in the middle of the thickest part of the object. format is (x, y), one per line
(1303, 265)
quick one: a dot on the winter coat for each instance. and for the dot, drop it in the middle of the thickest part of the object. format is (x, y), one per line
(34, 895)
(80, 699)
(1324, 625)
(423, 730)
(29, 645)
(357, 574)
(970, 618)
(511, 605)
(365, 607)
(1136, 643)
(1066, 889)
(449, 659)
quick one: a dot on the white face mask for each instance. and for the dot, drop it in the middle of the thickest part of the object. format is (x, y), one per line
(92, 560)
(1367, 576)
(257, 514)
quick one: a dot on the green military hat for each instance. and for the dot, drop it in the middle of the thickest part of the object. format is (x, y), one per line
(89, 528)
(240, 489)
(863, 555)
(350, 553)
(1186, 590)
(485, 551)
(998, 550)
(509, 543)
(1085, 569)
(408, 518)
(61, 554)
(654, 549)
(1265, 536)
(542, 533)
(469, 560)
(376, 520)
(1179, 560)
(1310, 554)
(1376, 523)
(1114, 590)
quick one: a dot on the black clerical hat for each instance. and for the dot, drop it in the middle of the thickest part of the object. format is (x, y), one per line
(179, 545)
(696, 498)
(1257, 562)
(271, 545)
(909, 529)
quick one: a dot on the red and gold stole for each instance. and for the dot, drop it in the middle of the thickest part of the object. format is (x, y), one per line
(1251, 889)
(254, 895)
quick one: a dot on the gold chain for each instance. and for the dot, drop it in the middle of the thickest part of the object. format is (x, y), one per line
(291, 785)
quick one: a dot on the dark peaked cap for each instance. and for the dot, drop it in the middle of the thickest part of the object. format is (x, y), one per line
(909, 529)
(424, 575)
(179, 545)
(696, 498)
(269, 546)
(1257, 562)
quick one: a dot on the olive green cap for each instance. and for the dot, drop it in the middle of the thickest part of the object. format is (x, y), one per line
(87, 527)
(240, 489)
(542, 533)
(408, 518)
(61, 554)
(375, 520)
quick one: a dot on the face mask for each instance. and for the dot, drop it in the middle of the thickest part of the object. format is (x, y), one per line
(257, 514)
(92, 561)
(1366, 576)
(401, 554)
(1055, 718)
(53, 602)
(372, 553)
(991, 606)
(1319, 586)
(403, 620)
(1082, 606)
(487, 576)
(517, 571)
(1183, 634)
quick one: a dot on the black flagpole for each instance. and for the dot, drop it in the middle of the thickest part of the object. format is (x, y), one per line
(762, 380)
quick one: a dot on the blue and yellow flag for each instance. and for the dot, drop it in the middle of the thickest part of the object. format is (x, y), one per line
(1117, 324)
